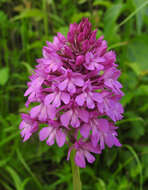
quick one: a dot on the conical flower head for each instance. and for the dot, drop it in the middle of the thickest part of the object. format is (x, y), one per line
(76, 87)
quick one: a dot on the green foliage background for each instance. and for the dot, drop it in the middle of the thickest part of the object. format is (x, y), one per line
(25, 25)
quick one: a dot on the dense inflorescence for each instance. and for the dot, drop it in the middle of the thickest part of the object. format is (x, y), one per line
(76, 88)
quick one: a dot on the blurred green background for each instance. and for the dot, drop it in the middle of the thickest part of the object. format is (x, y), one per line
(25, 26)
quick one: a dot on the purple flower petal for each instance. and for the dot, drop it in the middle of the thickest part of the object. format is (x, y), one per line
(71, 87)
(35, 111)
(75, 121)
(51, 110)
(51, 138)
(109, 140)
(84, 130)
(49, 98)
(79, 159)
(44, 133)
(95, 137)
(97, 97)
(116, 142)
(65, 97)
(60, 137)
(90, 103)
(83, 115)
(90, 158)
(66, 117)
(102, 143)
(57, 101)
(78, 81)
(63, 85)
(43, 114)
(90, 148)
(80, 99)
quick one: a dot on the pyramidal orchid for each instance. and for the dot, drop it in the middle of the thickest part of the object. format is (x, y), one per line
(76, 87)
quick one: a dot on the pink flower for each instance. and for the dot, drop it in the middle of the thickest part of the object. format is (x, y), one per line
(52, 132)
(102, 132)
(76, 88)
(34, 87)
(43, 112)
(83, 150)
(73, 117)
(70, 81)
(111, 107)
(56, 97)
(28, 126)
(51, 62)
(88, 96)
(110, 77)
(58, 43)
(92, 61)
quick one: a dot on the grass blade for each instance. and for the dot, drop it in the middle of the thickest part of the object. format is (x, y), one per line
(28, 169)
(131, 15)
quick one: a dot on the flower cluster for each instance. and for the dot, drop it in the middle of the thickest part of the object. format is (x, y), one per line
(76, 88)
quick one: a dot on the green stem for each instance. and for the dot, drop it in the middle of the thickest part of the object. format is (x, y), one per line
(45, 17)
(75, 173)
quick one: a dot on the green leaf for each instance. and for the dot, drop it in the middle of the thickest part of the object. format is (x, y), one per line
(77, 17)
(139, 165)
(135, 67)
(3, 18)
(144, 108)
(132, 14)
(34, 45)
(4, 75)
(56, 19)
(35, 13)
(20, 157)
(82, 1)
(127, 98)
(124, 183)
(110, 18)
(28, 66)
(25, 182)
(136, 125)
(4, 161)
(100, 184)
(9, 138)
(63, 30)
(127, 162)
(5, 185)
(140, 14)
(15, 177)
(142, 90)
(137, 53)
(102, 3)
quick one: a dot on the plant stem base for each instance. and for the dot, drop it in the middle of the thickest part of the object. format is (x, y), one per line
(75, 173)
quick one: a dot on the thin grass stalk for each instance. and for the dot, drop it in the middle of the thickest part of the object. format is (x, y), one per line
(44, 5)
